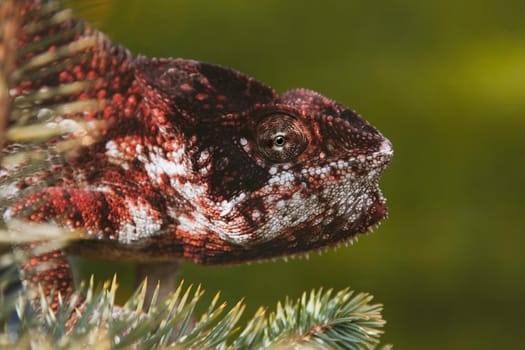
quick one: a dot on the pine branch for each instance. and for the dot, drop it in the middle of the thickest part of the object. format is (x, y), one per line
(318, 320)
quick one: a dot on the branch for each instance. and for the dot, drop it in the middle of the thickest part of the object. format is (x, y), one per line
(317, 320)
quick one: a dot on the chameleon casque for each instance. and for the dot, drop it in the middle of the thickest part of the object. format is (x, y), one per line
(194, 160)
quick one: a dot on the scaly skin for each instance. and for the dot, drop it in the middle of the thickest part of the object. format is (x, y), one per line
(195, 160)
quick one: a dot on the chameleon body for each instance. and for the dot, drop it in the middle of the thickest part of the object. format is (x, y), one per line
(194, 160)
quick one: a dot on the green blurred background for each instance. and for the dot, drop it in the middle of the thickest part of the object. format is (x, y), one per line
(445, 81)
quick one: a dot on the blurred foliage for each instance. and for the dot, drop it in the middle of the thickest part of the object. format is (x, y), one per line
(445, 81)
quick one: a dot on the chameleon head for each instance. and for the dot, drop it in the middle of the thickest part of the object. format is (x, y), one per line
(273, 174)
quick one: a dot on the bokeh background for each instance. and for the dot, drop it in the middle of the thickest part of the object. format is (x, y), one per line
(445, 81)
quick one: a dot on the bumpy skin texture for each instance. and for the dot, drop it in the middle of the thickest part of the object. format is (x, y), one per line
(199, 161)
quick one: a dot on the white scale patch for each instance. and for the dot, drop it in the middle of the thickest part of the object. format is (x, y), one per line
(171, 164)
(226, 206)
(282, 178)
(204, 156)
(115, 155)
(143, 224)
(196, 223)
(112, 150)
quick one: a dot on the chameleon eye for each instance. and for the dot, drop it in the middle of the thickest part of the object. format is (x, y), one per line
(281, 138)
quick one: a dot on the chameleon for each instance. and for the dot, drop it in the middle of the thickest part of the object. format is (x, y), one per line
(175, 158)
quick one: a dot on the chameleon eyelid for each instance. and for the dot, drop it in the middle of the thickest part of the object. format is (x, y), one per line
(294, 134)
